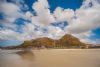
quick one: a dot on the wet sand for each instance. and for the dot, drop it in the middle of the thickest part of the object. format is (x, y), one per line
(50, 58)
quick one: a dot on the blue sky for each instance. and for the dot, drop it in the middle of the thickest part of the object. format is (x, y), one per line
(10, 42)
(66, 16)
(73, 4)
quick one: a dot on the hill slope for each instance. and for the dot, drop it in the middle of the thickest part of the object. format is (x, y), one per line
(67, 41)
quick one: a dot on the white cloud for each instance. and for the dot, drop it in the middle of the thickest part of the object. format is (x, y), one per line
(42, 10)
(62, 15)
(8, 34)
(21, 4)
(87, 18)
(84, 37)
(80, 22)
(28, 15)
(55, 32)
(11, 12)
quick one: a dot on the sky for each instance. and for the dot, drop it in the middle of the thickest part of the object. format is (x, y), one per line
(22, 20)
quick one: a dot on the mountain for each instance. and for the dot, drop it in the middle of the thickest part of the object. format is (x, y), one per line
(67, 41)
(47, 42)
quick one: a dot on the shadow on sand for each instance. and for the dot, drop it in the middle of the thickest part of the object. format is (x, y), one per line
(26, 55)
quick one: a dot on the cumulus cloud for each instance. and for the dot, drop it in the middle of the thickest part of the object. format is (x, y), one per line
(21, 4)
(42, 10)
(62, 15)
(87, 18)
(11, 11)
(80, 22)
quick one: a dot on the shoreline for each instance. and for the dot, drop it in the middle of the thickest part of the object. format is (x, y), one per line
(53, 49)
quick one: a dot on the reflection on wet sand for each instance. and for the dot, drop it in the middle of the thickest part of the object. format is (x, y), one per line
(50, 58)
(26, 55)
(16, 58)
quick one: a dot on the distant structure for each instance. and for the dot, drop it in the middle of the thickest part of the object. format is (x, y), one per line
(95, 46)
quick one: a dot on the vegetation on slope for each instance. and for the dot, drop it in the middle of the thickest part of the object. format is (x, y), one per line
(67, 41)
